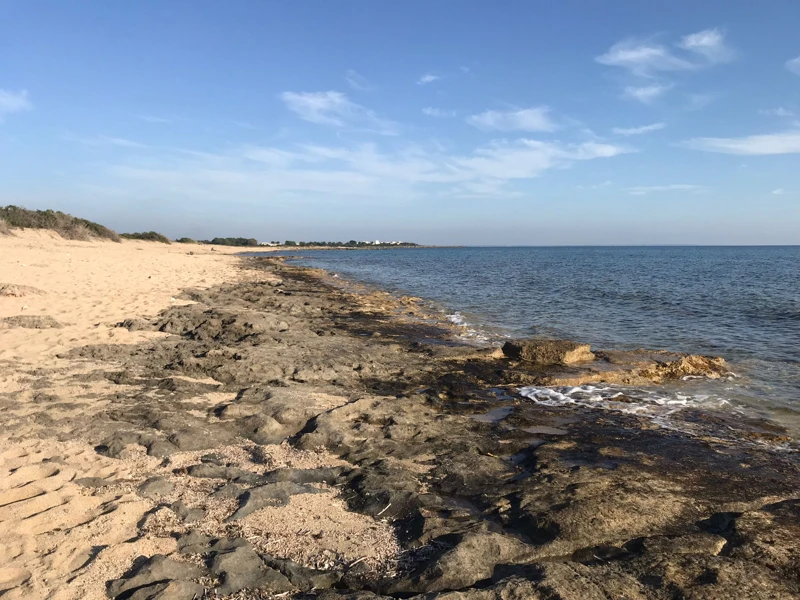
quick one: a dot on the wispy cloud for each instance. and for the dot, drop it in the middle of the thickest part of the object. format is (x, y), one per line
(356, 173)
(152, 119)
(103, 140)
(779, 192)
(334, 108)
(357, 81)
(441, 113)
(638, 130)
(710, 44)
(776, 112)
(643, 58)
(647, 58)
(13, 102)
(536, 118)
(783, 142)
(644, 190)
(595, 186)
(427, 78)
(794, 65)
(645, 94)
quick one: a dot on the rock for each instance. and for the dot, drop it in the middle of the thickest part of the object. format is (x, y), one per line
(234, 474)
(135, 324)
(94, 482)
(170, 590)
(242, 568)
(327, 475)
(154, 487)
(548, 352)
(473, 559)
(303, 578)
(18, 291)
(186, 513)
(148, 571)
(32, 322)
(194, 542)
(699, 543)
(271, 494)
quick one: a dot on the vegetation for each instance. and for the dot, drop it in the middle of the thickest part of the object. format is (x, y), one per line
(232, 241)
(4, 228)
(67, 226)
(148, 236)
(351, 244)
(185, 240)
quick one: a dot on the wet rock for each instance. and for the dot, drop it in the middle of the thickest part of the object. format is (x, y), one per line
(153, 570)
(548, 352)
(271, 494)
(155, 487)
(32, 322)
(242, 568)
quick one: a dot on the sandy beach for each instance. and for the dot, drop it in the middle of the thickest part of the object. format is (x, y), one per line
(184, 423)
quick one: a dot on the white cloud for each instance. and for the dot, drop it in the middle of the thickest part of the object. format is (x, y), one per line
(776, 112)
(427, 78)
(13, 102)
(794, 65)
(778, 192)
(596, 186)
(646, 58)
(357, 81)
(643, 58)
(152, 119)
(638, 130)
(360, 173)
(645, 94)
(441, 113)
(784, 142)
(334, 108)
(103, 140)
(527, 119)
(644, 190)
(709, 43)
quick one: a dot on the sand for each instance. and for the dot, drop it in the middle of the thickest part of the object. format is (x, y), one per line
(61, 539)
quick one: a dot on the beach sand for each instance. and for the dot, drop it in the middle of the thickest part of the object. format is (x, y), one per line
(179, 423)
(71, 518)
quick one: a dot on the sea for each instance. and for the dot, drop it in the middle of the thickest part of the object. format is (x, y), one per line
(741, 303)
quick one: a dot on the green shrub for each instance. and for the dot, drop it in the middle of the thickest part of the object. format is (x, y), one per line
(232, 241)
(147, 236)
(185, 240)
(67, 226)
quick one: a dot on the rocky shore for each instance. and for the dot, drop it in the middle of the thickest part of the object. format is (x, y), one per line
(285, 437)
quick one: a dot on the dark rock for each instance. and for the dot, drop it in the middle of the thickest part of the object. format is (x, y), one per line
(186, 513)
(135, 324)
(152, 570)
(230, 473)
(329, 475)
(170, 590)
(303, 578)
(155, 487)
(242, 568)
(94, 482)
(271, 494)
(194, 542)
(548, 352)
(32, 322)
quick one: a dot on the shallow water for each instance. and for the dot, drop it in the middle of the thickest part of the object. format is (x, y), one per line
(742, 303)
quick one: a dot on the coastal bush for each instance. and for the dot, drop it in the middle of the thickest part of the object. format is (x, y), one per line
(234, 241)
(147, 236)
(67, 226)
(185, 240)
(4, 228)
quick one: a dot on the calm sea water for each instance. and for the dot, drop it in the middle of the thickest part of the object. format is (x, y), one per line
(742, 303)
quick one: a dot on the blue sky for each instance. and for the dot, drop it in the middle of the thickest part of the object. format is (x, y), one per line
(572, 122)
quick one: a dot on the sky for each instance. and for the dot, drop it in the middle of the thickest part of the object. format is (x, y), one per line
(447, 122)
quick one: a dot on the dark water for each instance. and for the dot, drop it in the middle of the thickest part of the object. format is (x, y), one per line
(742, 303)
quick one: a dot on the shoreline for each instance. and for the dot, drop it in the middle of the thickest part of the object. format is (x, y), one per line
(270, 394)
